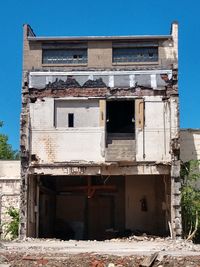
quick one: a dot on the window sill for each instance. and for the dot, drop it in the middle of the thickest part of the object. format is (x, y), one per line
(65, 65)
(134, 63)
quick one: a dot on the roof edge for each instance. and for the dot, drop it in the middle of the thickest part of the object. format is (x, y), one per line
(100, 38)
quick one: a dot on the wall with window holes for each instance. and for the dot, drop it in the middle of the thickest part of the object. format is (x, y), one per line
(99, 54)
(85, 113)
(53, 141)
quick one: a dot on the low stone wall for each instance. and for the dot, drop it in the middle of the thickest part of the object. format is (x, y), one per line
(9, 191)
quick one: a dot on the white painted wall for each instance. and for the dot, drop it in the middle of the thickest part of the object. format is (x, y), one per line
(10, 169)
(153, 142)
(51, 144)
(68, 145)
(85, 141)
(42, 114)
(190, 144)
(86, 113)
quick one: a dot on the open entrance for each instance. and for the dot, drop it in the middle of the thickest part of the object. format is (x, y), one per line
(120, 125)
(80, 207)
(120, 116)
(98, 207)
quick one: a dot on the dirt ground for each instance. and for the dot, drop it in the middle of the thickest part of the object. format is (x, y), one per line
(132, 251)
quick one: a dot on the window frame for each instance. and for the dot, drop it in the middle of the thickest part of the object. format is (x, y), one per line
(71, 61)
(135, 46)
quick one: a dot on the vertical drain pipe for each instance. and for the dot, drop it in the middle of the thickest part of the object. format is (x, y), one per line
(144, 154)
(164, 125)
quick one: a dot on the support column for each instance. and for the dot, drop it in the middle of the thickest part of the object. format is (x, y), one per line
(176, 200)
(176, 220)
(24, 146)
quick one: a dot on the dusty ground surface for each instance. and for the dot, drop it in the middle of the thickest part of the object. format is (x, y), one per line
(133, 251)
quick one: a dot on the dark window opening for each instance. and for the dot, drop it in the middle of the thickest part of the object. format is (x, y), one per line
(135, 54)
(70, 119)
(64, 56)
(120, 116)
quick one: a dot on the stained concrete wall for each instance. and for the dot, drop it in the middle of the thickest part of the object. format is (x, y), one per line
(190, 144)
(84, 142)
(9, 190)
(152, 189)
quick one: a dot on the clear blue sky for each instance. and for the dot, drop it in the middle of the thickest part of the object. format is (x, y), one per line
(105, 17)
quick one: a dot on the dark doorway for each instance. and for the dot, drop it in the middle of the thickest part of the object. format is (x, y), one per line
(120, 116)
(77, 207)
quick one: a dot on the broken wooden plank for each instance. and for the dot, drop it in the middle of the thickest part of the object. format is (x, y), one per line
(148, 261)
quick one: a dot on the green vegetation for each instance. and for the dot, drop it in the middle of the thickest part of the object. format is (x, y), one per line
(12, 228)
(6, 151)
(190, 200)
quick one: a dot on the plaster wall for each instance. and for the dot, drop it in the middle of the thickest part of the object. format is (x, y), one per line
(52, 141)
(68, 145)
(190, 144)
(153, 140)
(150, 188)
(84, 142)
(9, 169)
(86, 113)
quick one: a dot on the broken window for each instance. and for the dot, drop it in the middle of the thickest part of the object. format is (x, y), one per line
(130, 52)
(64, 56)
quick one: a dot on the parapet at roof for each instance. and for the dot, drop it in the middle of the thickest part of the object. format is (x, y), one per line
(32, 37)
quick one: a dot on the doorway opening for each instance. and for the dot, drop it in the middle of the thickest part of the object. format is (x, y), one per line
(120, 135)
(120, 116)
(80, 208)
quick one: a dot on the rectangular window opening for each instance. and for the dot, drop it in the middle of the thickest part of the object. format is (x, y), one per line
(71, 120)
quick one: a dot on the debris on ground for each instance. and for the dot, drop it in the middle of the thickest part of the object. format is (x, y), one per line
(134, 251)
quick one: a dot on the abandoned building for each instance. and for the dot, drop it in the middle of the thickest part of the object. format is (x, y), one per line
(100, 137)
(10, 174)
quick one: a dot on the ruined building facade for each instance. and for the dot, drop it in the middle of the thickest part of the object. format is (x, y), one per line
(100, 136)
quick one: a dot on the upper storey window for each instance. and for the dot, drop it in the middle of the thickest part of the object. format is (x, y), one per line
(64, 56)
(134, 53)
